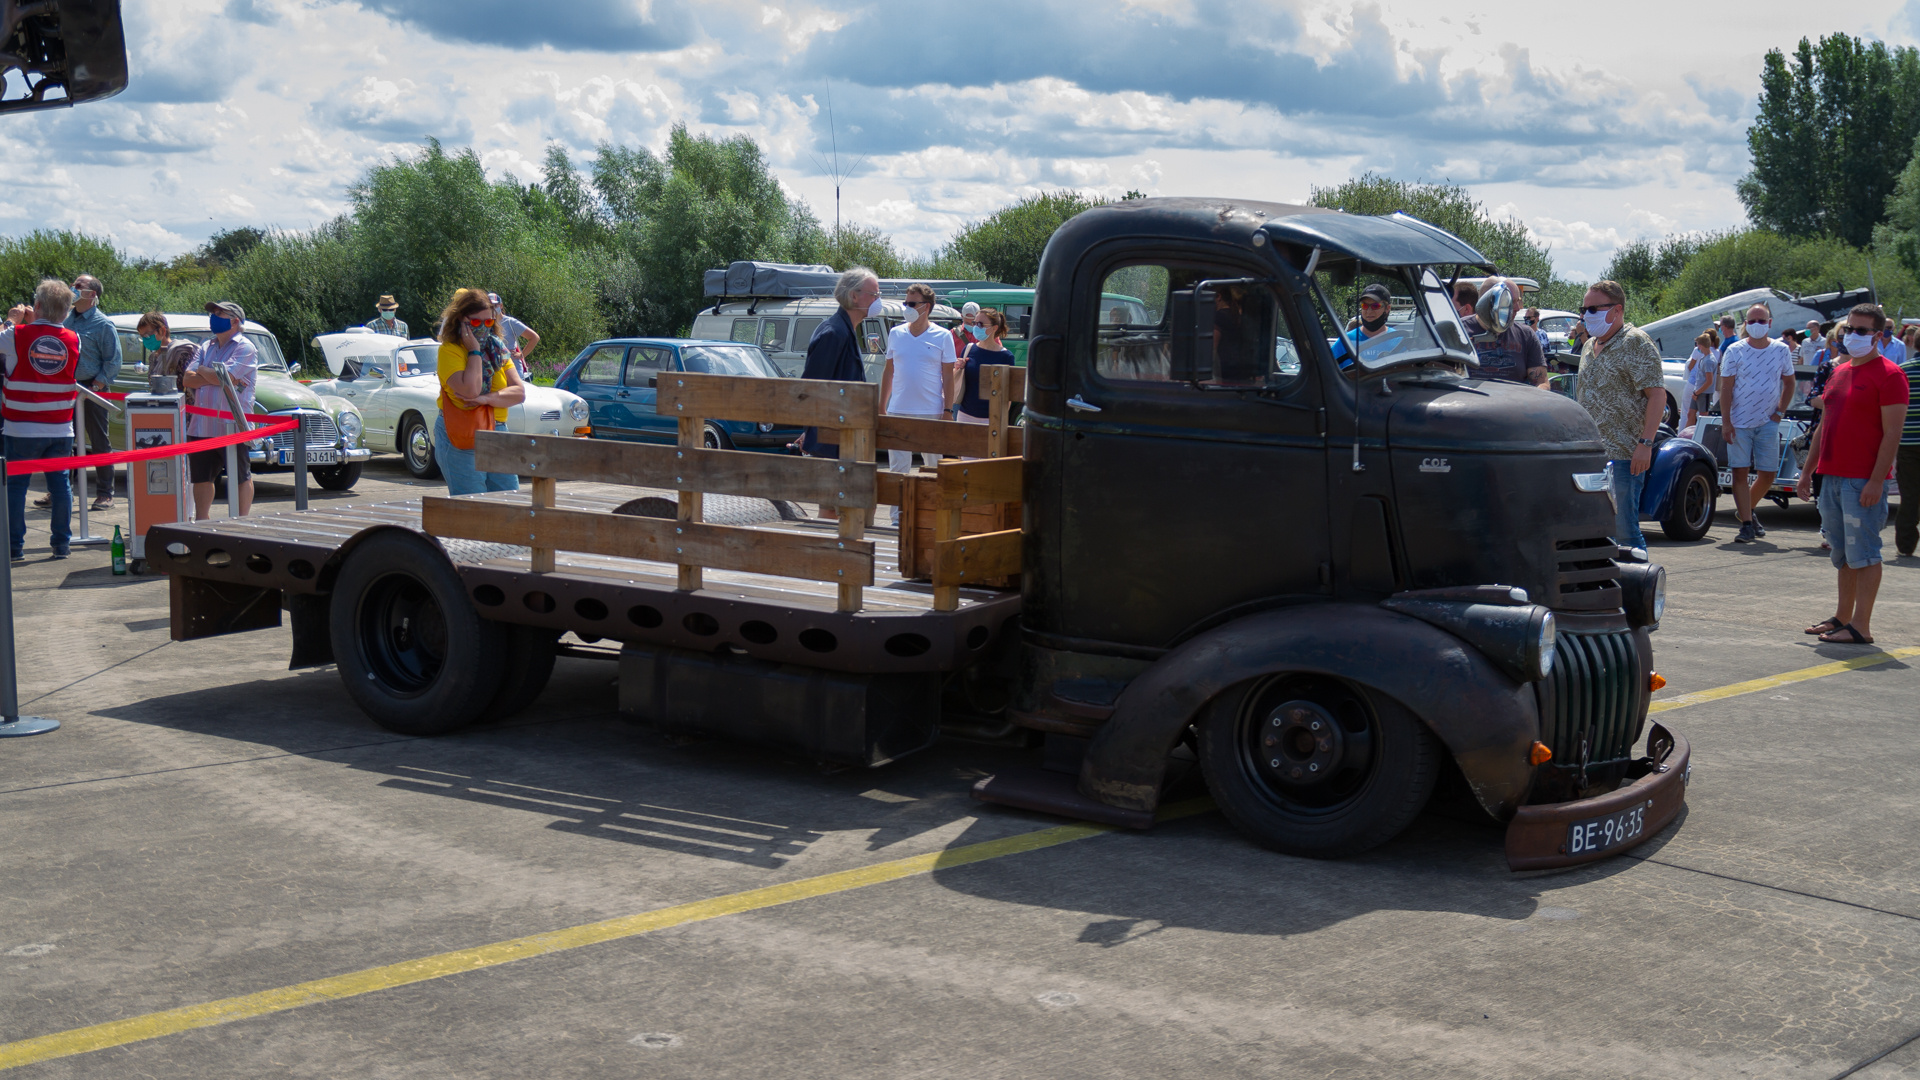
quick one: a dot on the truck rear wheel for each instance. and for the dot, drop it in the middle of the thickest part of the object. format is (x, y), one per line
(1311, 766)
(1690, 514)
(413, 652)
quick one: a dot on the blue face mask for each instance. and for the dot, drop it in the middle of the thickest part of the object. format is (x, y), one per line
(152, 343)
(220, 324)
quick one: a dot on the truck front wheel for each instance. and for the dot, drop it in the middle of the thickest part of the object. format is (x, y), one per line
(1309, 765)
(412, 651)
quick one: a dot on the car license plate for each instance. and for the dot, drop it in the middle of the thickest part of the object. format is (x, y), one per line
(1599, 834)
(1726, 478)
(314, 457)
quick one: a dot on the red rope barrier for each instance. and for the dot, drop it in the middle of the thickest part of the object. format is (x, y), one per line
(40, 465)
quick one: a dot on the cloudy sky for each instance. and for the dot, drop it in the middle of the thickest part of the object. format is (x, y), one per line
(1593, 124)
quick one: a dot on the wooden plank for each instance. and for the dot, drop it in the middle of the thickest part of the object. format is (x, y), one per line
(541, 561)
(856, 445)
(719, 472)
(806, 402)
(887, 488)
(949, 438)
(723, 547)
(946, 529)
(692, 437)
(979, 481)
(971, 559)
(998, 393)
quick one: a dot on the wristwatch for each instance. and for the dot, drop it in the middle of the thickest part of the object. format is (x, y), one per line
(1644, 442)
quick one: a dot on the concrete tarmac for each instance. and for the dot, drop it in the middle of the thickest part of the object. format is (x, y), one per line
(208, 824)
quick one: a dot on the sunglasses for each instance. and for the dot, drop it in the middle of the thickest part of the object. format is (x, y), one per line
(1596, 309)
(479, 322)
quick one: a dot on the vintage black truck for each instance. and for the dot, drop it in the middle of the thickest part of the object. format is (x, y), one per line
(1333, 565)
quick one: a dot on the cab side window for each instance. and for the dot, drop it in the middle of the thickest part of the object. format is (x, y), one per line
(604, 365)
(1198, 327)
(746, 330)
(644, 365)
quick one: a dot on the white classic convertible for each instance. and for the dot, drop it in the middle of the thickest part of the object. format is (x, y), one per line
(393, 382)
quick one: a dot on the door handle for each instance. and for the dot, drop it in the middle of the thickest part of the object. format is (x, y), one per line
(1077, 402)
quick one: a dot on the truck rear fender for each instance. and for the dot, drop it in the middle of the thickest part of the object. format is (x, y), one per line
(1486, 719)
(312, 634)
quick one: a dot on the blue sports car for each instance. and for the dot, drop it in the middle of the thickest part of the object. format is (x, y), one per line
(617, 379)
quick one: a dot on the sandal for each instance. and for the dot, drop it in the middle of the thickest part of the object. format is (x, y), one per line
(1828, 625)
(1832, 637)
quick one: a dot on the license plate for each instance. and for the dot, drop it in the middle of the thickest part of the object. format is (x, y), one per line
(314, 457)
(1601, 833)
(1726, 478)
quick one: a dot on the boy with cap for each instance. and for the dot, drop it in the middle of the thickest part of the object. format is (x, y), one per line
(383, 321)
(230, 350)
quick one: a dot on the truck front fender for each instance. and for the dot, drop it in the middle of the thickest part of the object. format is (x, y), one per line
(1484, 718)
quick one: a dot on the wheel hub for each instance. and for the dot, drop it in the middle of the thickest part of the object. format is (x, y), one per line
(1302, 744)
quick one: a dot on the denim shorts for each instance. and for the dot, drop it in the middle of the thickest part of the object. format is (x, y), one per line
(1755, 448)
(1852, 530)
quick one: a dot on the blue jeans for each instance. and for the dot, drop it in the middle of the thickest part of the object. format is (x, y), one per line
(1627, 489)
(1852, 530)
(457, 466)
(59, 485)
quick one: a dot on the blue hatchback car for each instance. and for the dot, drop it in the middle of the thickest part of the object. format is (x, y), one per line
(617, 378)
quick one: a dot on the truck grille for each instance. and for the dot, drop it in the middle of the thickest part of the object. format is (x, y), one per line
(1595, 684)
(320, 432)
(1585, 577)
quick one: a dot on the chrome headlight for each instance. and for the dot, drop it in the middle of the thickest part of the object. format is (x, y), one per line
(350, 427)
(1643, 588)
(764, 428)
(578, 410)
(1549, 634)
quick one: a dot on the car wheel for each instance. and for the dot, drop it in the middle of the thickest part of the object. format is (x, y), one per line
(411, 649)
(1673, 415)
(337, 477)
(530, 654)
(1310, 765)
(416, 448)
(714, 438)
(1690, 514)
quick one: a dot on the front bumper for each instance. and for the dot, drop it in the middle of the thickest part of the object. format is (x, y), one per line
(1540, 837)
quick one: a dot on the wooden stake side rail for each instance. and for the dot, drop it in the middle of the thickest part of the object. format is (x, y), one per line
(716, 472)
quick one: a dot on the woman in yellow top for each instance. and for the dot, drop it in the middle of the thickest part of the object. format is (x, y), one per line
(478, 382)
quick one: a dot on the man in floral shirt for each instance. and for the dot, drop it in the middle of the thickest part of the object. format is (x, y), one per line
(1621, 388)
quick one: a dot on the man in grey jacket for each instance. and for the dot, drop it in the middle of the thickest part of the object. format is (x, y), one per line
(99, 363)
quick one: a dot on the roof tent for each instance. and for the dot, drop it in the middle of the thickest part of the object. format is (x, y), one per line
(766, 280)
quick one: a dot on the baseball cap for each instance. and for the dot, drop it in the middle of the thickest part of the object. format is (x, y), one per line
(971, 309)
(493, 298)
(228, 308)
(1379, 292)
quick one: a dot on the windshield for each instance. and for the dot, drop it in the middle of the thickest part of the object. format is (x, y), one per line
(727, 360)
(1122, 311)
(1420, 325)
(263, 343)
(1558, 324)
(423, 360)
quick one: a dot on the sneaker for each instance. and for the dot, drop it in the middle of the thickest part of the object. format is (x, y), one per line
(104, 502)
(60, 554)
(1759, 530)
(44, 502)
(1746, 533)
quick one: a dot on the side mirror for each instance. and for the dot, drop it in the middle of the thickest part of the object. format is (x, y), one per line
(653, 381)
(1497, 308)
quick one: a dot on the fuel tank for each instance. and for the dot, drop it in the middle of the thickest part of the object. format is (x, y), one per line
(1484, 490)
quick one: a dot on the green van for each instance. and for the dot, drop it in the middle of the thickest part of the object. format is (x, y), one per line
(1017, 304)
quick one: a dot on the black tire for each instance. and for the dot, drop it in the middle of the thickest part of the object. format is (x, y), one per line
(415, 443)
(1340, 789)
(412, 651)
(1691, 513)
(714, 438)
(337, 477)
(529, 664)
(1672, 419)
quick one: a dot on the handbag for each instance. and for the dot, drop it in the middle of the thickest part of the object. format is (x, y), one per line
(461, 423)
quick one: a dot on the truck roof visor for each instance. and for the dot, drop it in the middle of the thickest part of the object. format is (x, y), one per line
(1389, 240)
(64, 53)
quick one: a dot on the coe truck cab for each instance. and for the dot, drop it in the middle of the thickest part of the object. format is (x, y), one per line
(1336, 565)
(1329, 571)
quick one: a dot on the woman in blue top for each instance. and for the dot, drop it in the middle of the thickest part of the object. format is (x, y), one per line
(988, 350)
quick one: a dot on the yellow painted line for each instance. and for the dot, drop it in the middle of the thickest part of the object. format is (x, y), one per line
(171, 1021)
(1754, 686)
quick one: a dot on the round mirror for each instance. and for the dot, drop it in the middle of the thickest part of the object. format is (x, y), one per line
(1499, 303)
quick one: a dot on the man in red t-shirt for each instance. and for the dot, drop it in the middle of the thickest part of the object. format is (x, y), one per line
(1866, 404)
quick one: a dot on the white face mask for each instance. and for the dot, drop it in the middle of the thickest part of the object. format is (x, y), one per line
(1598, 322)
(1858, 344)
(1758, 329)
(876, 309)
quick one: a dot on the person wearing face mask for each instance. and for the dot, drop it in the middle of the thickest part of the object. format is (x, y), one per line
(972, 408)
(1701, 372)
(1622, 387)
(1372, 338)
(1756, 386)
(230, 350)
(165, 356)
(1891, 347)
(834, 350)
(917, 379)
(99, 363)
(970, 329)
(385, 319)
(520, 337)
(478, 384)
(1866, 406)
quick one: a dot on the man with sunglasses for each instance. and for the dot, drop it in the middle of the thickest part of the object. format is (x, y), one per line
(1373, 338)
(1853, 450)
(99, 363)
(1622, 388)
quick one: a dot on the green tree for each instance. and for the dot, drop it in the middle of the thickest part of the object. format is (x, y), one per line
(1450, 207)
(1007, 244)
(1836, 126)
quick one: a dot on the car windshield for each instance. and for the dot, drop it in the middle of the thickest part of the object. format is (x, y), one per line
(420, 361)
(727, 360)
(1122, 311)
(1558, 324)
(263, 343)
(1414, 316)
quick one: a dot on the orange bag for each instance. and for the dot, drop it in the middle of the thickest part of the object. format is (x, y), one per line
(462, 423)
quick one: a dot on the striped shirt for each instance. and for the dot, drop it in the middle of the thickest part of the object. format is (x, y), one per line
(1910, 434)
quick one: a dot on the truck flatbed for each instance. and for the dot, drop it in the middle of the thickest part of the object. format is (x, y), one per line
(770, 617)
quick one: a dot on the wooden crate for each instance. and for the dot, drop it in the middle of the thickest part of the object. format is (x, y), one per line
(920, 490)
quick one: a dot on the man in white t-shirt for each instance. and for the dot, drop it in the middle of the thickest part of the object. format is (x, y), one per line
(1810, 347)
(1756, 385)
(918, 375)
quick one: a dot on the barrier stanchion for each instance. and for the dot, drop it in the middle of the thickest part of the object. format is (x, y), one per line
(11, 722)
(84, 534)
(300, 462)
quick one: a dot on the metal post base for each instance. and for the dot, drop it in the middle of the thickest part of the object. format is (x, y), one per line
(90, 541)
(27, 725)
